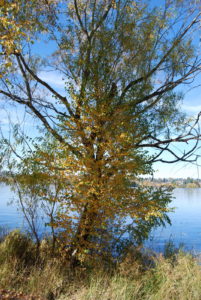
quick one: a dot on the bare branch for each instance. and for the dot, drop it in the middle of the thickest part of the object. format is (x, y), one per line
(45, 84)
(150, 73)
(80, 20)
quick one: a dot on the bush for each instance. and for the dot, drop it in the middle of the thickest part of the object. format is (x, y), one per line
(17, 246)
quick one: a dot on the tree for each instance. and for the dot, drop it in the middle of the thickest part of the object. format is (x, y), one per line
(121, 62)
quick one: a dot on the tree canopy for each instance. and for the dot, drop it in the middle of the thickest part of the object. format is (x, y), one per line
(121, 62)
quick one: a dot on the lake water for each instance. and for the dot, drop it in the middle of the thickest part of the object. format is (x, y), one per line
(185, 230)
(186, 219)
(10, 217)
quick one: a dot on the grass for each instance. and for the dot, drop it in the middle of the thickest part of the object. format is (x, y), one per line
(175, 277)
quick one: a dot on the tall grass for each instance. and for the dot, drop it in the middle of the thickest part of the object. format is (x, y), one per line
(177, 277)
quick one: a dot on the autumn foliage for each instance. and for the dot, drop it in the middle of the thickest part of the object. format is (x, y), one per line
(120, 66)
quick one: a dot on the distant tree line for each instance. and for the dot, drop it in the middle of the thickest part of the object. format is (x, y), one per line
(174, 182)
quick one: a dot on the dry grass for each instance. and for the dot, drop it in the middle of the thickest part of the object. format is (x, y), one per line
(181, 281)
(175, 278)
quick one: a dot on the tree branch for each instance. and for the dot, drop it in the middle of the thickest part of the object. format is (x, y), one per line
(45, 84)
(150, 73)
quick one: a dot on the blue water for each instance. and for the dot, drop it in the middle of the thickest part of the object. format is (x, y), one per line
(10, 217)
(186, 219)
(185, 230)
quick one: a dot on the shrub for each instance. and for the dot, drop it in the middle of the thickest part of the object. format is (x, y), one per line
(17, 246)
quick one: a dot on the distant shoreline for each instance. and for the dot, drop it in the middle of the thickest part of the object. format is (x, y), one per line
(173, 182)
(157, 182)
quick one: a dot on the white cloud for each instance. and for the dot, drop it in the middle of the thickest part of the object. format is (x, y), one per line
(13, 116)
(53, 78)
(191, 108)
(178, 170)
